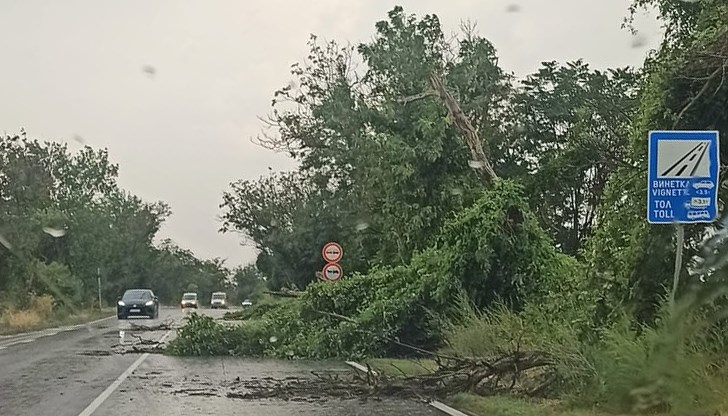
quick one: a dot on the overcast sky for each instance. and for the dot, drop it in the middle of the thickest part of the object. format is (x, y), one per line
(75, 68)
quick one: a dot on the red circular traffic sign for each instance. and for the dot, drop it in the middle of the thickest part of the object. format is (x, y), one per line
(332, 252)
(332, 272)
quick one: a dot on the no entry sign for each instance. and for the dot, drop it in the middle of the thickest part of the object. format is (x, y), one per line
(332, 252)
(332, 272)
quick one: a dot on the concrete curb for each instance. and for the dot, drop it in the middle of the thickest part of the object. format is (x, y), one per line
(437, 405)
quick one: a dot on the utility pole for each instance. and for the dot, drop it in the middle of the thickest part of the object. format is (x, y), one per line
(98, 281)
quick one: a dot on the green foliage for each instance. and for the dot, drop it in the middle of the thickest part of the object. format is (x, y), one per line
(202, 336)
(382, 169)
(571, 135)
(492, 251)
(671, 367)
(632, 260)
(64, 220)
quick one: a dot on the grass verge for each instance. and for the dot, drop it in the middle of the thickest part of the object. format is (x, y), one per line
(512, 406)
(395, 367)
(25, 321)
(479, 405)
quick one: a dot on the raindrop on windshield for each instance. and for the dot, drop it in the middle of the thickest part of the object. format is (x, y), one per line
(476, 164)
(149, 70)
(361, 226)
(638, 40)
(54, 232)
(5, 243)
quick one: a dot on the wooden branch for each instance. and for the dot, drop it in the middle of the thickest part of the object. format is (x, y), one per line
(482, 164)
(416, 97)
(700, 94)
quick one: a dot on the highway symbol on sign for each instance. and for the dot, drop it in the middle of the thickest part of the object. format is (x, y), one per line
(682, 159)
(682, 177)
(332, 252)
(332, 272)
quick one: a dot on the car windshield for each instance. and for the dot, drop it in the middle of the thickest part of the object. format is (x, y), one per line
(136, 294)
(189, 296)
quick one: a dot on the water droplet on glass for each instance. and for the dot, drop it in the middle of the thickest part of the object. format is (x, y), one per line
(513, 8)
(638, 40)
(476, 164)
(5, 243)
(54, 232)
(149, 70)
(361, 226)
(273, 340)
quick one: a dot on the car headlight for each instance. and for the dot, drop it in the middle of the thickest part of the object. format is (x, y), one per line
(121, 303)
(149, 303)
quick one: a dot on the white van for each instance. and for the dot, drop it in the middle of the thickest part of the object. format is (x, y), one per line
(219, 300)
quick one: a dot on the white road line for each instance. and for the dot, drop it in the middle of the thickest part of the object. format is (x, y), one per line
(437, 405)
(91, 408)
(32, 336)
(446, 409)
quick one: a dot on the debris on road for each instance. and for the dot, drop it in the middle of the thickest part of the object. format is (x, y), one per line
(94, 353)
(162, 326)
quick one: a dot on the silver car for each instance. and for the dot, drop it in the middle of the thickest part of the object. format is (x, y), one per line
(189, 300)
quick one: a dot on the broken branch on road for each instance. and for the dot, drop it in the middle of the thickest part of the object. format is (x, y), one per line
(162, 326)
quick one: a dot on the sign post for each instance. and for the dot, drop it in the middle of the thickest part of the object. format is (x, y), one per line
(98, 281)
(332, 253)
(682, 183)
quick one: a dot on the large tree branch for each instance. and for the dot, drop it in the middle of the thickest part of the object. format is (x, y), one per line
(481, 163)
(711, 77)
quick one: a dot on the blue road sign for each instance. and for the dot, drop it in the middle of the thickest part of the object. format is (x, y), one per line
(682, 177)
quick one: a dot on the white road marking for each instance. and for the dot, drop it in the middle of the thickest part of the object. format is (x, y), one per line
(32, 336)
(437, 405)
(446, 409)
(91, 408)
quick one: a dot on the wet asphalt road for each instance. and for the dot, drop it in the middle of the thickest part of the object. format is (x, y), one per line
(77, 371)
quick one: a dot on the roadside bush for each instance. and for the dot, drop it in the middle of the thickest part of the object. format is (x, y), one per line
(42, 305)
(203, 336)
(494, 250)
(255, 311)
(675, 366)
(39, 311)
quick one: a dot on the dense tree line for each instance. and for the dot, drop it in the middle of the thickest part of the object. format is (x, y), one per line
(382, 167)
(64, 221)
(548, 255)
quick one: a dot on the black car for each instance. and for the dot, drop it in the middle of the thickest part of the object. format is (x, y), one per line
(138, 302)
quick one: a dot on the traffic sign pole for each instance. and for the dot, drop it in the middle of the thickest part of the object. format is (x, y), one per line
(682, 184)
(678, 261)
